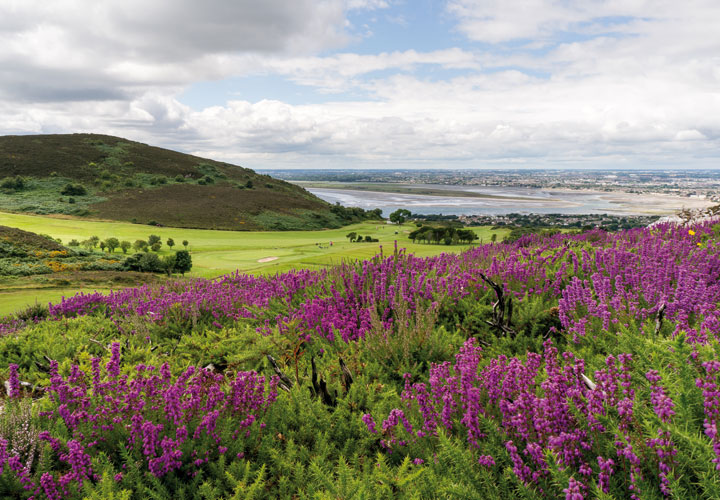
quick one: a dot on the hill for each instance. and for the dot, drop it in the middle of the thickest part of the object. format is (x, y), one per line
(100, 176)
(14, 242)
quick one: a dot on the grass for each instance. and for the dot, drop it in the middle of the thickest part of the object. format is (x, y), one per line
(18, 300)
(220, 252)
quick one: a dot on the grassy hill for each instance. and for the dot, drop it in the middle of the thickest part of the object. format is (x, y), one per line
(14, 242)
(100, 176)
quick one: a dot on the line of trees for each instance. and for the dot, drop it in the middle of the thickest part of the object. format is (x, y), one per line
(357, 238)
(153, 243)
(446, 235)
(179, 262)
(143, 260)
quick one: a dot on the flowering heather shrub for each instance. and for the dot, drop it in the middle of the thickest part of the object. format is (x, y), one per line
(603, 384)
(170, 425)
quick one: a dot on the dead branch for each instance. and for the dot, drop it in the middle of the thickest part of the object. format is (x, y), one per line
(347, 379)
(320, 387)
(285, 383)
(659, 318)
(499, 322)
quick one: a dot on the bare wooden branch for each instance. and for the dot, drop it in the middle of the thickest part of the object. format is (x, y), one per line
(659, 318)
(42, 367)
(285, 383)
(589, 383)
(320, 387)
(499, 321)
(99, 343)
(347, 379)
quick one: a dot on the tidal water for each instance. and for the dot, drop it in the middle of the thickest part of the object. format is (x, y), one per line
(512, 200)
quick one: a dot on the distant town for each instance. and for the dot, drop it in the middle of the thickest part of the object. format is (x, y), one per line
(580, 221)
(703, 184)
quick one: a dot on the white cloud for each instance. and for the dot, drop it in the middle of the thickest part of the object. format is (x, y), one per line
(571, 83)
(338, 72)
(367, 4)
(103, 50)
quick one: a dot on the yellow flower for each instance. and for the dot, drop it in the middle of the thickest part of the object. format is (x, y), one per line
(699, 244)
(691, 232)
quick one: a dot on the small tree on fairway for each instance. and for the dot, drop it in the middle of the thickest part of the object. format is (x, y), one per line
(125, 245)
(186, 243)
(102, 245)
(112, 244)
(154, 238)
(94, 240)
(400, 215)
(351, 236)
(169, 263)
(170, 242)
(139, 245)
(183, 261)
(156, 246)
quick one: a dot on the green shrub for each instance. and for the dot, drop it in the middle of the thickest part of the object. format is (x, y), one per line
(16, 183)
(74, 190)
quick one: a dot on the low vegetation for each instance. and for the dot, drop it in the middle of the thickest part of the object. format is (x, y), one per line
(563, 366)
(23, 253)
(447, 235)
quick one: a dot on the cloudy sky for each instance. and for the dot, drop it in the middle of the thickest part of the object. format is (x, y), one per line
(374, 83)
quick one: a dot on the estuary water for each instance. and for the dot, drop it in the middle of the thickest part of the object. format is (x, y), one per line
(503, 201)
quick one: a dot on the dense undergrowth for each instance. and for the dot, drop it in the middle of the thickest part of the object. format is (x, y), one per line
(580, 366)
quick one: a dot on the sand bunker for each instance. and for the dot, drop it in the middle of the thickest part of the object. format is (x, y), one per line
(267, 259)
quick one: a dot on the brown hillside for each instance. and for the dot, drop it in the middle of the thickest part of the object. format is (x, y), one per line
(92, 175)
(212, 207)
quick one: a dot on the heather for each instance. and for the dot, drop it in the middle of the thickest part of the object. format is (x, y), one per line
(581, 366)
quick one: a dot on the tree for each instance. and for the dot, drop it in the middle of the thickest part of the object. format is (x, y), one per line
(139, 245)
(112, 244)
(74, 243)
(102, 245)
(400, 215)
(249, 184)
(493, 238)
(169, 262)
(351, 236)
(156, 246)
(150, 263)
(186, 243)
(183, 261)
(94, 240)
(154, 238)
(170, 242)
(125, 245)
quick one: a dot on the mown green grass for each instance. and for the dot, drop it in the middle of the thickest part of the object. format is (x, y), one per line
(17, 300)
(220, 252)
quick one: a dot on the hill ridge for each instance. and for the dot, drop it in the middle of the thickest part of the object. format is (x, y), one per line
(117, 179)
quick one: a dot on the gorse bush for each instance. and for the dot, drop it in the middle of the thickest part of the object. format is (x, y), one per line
(571, 366)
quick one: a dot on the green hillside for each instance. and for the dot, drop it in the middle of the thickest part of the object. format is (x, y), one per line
(16, 242)
(105, 177)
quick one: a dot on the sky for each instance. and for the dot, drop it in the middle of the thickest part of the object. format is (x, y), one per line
(456, 84)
